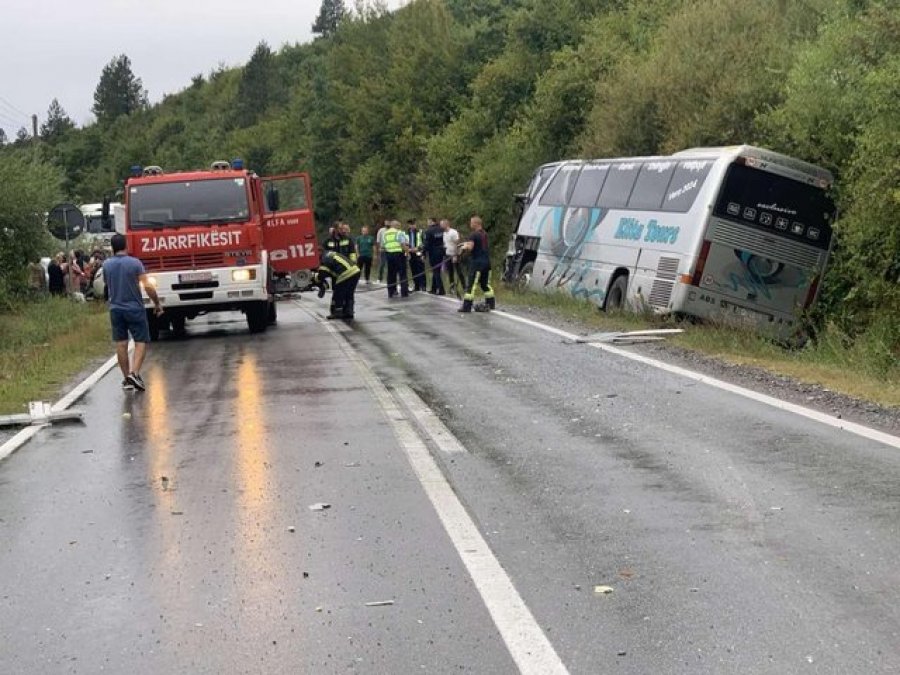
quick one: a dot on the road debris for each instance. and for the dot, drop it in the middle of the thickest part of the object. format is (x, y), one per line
(351, 465)
(40, 413)
(126, 415)
(319, 506)
(164, 481)
(317, 465)
(177, 513)
(291, 528)
(380, 603)
(626, 337)
(603, 590)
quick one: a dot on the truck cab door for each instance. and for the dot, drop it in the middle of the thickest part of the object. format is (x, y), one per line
(288, 225)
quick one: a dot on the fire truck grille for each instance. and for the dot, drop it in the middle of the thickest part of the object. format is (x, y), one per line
(194, 261)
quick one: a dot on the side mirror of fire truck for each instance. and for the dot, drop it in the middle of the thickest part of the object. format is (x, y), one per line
(273, 200)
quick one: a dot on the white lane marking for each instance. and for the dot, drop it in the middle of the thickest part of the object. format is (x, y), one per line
(526, 642)
(830, 420)
(429, 421)
(65, 402)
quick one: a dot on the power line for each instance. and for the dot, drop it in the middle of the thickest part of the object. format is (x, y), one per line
(15, 122)
(12, 107)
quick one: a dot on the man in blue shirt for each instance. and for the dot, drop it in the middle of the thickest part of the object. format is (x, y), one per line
(124, 276)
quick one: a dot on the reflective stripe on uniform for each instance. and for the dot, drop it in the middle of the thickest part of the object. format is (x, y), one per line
(392, 241)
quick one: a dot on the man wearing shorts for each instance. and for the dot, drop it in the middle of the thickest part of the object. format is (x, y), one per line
(124, 275)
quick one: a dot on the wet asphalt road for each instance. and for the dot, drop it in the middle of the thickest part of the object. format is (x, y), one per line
(157, 536)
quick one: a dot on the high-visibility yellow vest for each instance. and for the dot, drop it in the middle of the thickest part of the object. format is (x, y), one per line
(392, 241)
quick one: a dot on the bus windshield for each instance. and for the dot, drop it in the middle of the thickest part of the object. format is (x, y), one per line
(777, 204)
(185, 203)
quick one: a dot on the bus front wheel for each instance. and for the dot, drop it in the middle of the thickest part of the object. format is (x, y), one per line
(615, 299)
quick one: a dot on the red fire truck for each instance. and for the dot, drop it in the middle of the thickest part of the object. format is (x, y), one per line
(219, 240)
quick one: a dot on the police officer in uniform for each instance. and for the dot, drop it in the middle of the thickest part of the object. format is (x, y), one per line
(344, 275)
(480, 267)
(434, 249)
(416, 264)
(395, 247)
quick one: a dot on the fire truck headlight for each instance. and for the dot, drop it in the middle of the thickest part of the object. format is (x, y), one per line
(243, 275)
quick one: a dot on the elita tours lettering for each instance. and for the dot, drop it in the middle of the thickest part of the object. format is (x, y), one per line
(652, 232)
(188, 241)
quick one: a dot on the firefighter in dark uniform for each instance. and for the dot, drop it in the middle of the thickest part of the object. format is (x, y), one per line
(395, 246)
(342, 242)
(344, 275)
(479, 265)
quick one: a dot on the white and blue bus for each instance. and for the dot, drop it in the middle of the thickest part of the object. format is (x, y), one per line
(739, 234)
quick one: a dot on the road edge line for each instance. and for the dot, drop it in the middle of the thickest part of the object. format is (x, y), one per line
(829, 420)
(29, 432)
(526, 642)
(823, 418)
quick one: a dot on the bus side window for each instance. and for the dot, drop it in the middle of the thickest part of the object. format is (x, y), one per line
(651, 185)
(617, 188)
(588, 185)
(557, 193)
(686, 183)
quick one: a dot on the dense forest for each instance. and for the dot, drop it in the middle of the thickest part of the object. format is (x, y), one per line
(445, 107)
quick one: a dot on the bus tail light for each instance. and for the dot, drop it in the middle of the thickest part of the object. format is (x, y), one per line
(811, 295)
(701, 263)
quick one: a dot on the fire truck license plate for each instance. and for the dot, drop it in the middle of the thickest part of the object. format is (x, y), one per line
(188, 277)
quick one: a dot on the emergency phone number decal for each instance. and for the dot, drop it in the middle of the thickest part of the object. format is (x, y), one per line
(292, 251)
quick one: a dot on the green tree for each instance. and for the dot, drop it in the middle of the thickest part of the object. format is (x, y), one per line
(259, 87)
(119, 92)
(331, 13)
(28, 189)
(22, 136)
(58, 123)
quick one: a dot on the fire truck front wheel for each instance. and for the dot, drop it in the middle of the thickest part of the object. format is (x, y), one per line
(257, 316)
(153, 323)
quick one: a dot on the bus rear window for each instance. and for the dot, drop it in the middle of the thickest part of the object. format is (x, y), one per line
(777, 204)
(617, 188)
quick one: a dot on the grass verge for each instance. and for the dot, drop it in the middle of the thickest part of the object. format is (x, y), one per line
(866, 367)
(43, 344)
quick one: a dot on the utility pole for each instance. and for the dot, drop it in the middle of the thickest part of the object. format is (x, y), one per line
(34, 140)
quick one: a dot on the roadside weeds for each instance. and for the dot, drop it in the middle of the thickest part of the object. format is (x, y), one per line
(44, 344)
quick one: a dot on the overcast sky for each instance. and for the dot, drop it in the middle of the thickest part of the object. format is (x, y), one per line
(57, 48)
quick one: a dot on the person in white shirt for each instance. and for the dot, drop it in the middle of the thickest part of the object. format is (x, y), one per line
(451, 253)
(379, 249)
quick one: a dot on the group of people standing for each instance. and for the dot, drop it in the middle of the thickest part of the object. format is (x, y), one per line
(65, 275)
(408, 259)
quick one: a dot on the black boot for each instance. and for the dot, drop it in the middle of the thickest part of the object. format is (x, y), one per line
(491, 303)
(466, 306)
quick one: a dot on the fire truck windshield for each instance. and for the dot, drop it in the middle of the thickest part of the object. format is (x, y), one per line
(184, 203)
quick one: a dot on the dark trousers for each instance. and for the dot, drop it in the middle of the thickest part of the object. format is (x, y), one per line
(396, 269)
(342, 299)
(450, 266)
(417, 267)
(435, 260)
(479, 276)
(365, 264)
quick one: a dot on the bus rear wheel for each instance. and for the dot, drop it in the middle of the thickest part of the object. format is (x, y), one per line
(615, 299)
